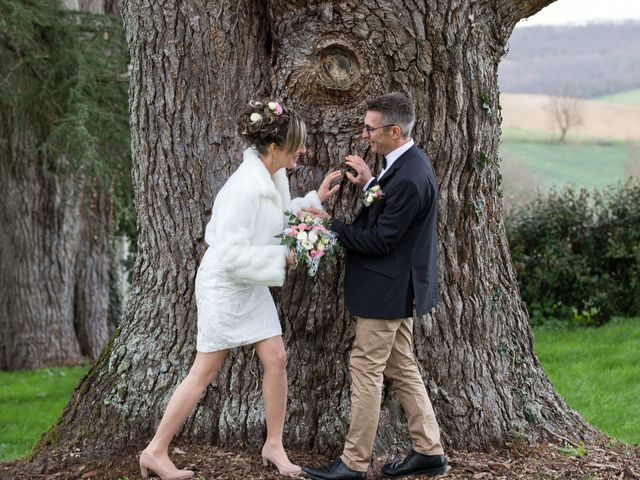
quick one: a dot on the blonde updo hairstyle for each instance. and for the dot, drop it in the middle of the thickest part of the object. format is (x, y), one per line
(265, 122)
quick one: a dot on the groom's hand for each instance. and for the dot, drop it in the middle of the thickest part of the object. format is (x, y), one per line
(363, 172)
(316, 212)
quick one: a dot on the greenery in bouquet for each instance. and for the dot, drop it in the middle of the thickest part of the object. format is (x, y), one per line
(310, 239)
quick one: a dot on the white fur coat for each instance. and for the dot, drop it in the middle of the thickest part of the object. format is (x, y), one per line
(246, 216)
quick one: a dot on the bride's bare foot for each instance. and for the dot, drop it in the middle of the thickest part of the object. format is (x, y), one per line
(161, 466)
(276, 455)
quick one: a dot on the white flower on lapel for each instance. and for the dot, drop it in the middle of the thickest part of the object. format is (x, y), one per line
(374, 194)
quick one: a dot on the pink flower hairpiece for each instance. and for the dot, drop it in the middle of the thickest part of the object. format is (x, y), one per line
(275, 107)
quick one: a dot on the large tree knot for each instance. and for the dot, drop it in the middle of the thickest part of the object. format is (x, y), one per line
(338, 67)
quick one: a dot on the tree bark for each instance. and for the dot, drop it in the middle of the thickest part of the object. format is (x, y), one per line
(54, 257)
(38, 240)
(91, 294)
(194, 65)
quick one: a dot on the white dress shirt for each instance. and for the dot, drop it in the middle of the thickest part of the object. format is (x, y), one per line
(391, 158)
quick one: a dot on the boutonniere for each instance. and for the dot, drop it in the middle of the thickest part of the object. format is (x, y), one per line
(374, 194)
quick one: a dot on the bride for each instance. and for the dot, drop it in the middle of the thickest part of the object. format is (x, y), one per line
(232, 294)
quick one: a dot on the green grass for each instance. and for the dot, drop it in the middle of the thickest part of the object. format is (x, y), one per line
(583, 162)
(629, 98)
(30, 401)
(597, 371)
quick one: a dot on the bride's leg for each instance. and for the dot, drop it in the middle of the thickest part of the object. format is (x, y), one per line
(274, 392)
(184, 399)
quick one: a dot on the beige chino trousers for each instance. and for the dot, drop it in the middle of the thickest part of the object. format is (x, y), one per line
(385, 348)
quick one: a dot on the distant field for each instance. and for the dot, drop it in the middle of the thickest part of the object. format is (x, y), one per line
(629, 98)
(531, 160)
(604, 151)
(601, 120)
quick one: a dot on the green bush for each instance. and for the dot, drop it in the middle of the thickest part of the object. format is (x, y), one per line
(577, 254)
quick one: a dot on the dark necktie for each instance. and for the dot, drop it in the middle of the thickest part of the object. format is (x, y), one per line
(384, 163)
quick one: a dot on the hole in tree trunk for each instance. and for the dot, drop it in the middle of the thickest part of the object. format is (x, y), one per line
(339, 68)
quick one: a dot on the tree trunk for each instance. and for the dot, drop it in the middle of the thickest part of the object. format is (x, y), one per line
(38, 241)
(91, 295)
(54, 257)
(194, 65)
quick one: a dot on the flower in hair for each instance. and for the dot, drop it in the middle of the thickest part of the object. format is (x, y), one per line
(275, 107)
(255, 117)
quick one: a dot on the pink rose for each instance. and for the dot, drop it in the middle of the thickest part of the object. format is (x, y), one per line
(320, 228)
(316, 253)
(275, 107)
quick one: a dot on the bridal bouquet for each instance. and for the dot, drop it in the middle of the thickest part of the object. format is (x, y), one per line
(309, 238)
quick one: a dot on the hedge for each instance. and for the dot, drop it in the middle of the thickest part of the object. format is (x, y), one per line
(577, 253)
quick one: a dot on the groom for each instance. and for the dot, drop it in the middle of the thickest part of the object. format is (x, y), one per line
(391, 263)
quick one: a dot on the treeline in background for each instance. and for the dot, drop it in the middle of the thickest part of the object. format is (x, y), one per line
(603, 58)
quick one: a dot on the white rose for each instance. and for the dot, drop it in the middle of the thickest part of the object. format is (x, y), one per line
(307, 245)
(313, 237)
(302, 235)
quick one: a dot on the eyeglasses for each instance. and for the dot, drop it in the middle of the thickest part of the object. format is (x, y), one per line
(370, 129)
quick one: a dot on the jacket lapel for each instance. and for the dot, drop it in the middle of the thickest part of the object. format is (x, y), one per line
(362, 207)
(387, 175)
(396, 165)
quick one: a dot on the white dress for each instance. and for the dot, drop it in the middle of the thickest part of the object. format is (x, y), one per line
(244, 258)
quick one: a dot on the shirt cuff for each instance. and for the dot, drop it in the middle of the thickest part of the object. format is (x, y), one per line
(366, 187)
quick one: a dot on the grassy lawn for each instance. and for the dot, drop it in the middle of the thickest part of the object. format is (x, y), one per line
(30, 401)
(597, 371)
(629, 97)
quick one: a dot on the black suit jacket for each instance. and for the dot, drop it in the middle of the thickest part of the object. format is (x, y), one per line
(392, 244)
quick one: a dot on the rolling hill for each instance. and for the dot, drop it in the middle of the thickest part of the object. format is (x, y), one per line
(595, 59)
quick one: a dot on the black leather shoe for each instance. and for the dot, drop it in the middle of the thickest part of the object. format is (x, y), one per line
(334, 471)
(416, 463)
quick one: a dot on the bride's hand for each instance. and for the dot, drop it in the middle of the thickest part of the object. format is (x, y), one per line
(316, 212)
(325, 191)
(291, 259)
